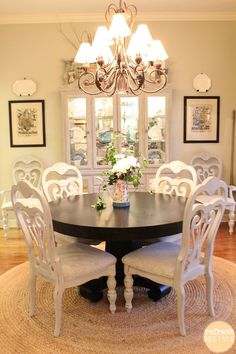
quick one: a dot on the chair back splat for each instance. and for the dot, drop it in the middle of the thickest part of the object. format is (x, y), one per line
(61, 181)
(37, 228)
(175, 177)
(26, 168)
(206, 165)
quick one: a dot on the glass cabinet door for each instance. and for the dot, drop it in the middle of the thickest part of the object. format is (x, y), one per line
(129, 125)
(104, 127)
(156, 134)
(78, 131)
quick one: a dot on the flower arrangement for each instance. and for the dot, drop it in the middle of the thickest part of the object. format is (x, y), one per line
(124, 168)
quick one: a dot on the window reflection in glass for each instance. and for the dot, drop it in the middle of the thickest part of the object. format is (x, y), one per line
(78, 131)
(156, 130)
(129, 110)
(104, 127)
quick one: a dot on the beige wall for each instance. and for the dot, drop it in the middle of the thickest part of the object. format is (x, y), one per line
(36, 52)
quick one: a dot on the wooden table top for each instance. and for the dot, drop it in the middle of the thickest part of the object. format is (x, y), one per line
(149, 215)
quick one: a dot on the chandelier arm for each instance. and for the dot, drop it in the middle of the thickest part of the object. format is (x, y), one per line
(128, 62)
(133, 87)
(114, 83)
(87, 83)
(132, 12)
(111, 72)
(132, 79)
(110, 11)
(110, 89)
(155, 90)
(160, 73)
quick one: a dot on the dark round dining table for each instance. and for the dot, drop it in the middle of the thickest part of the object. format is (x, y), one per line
(148, 217)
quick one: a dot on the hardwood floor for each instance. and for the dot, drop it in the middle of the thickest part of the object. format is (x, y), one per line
(13, 250)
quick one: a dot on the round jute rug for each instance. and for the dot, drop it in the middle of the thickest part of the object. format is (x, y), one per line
(89, 328)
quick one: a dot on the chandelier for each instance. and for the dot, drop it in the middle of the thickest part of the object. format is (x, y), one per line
(120, 62)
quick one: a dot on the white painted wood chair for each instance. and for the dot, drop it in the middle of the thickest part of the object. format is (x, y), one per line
(67, 266)
(207, 164)
(172, 264)
(28, 168)
(59, 181)
(173, 178)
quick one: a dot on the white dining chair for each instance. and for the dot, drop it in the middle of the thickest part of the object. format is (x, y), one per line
(28, 168)
(62, 180)
(207, 164)
(174, 265)
(67, 266)
(175, 178)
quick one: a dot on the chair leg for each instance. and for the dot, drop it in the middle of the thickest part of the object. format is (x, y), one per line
(180, 292)
(111, 293)
(32, 292)
(128, 292)
(5, 223)
(210, 292)
(58, 293)
(231, 221)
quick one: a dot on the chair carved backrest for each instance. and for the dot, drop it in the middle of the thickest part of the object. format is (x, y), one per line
(175, 178)
(36, 223)
(206, 165)
(201, 221)
(28, 168)
(61, 181)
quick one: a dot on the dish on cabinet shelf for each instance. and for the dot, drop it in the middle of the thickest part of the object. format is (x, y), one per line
(77, 134)
(155, 133)
(105, 136)
(156, 156)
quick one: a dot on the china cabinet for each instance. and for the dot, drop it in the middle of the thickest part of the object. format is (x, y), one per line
(140, 122)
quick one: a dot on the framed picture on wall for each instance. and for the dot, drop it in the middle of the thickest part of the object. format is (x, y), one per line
(27, 123)
(201, 119)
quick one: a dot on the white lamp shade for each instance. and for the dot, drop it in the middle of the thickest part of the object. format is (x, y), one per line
(143, 35)
(101, 43)
(119, 27)
(101, 37)
(135, 47)
(85, 54)
(104, 52)
(157, 51)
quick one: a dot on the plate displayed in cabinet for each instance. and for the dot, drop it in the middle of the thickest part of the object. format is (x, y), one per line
(105, 137)
(78, 134)
(155, 133)
(155, 156)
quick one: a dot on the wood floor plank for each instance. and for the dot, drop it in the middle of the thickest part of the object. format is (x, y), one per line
(13, 250)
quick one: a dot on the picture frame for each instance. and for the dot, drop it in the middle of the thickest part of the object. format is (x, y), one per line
(201, 119)
(27, 123)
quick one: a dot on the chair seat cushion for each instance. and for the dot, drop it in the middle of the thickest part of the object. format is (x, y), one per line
(159, 258)
(81, 259)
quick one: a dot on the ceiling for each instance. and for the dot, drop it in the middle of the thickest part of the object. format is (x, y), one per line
(23, 11)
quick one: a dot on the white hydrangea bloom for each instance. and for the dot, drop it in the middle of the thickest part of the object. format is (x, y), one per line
(119, 156)
(132, 161)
